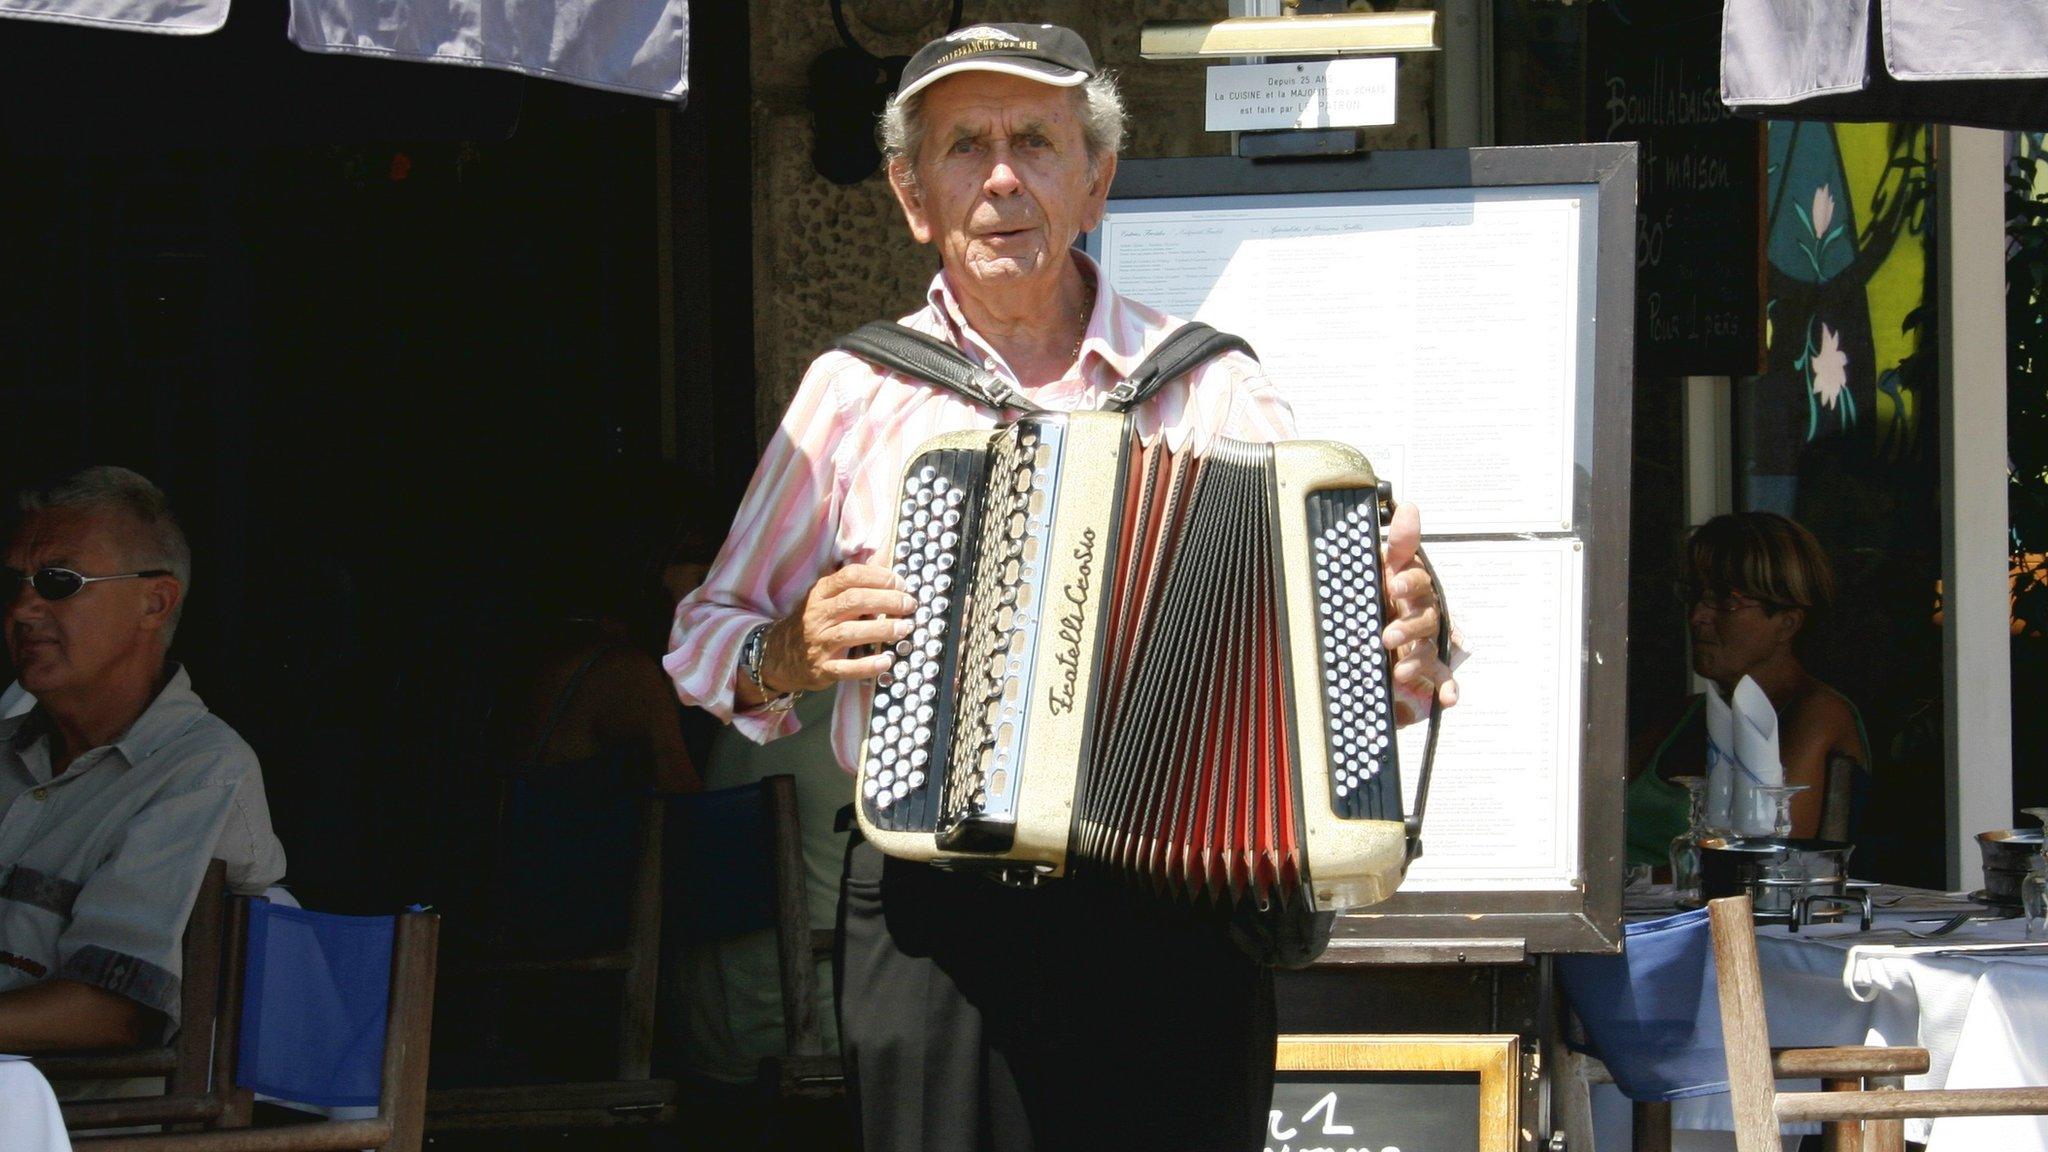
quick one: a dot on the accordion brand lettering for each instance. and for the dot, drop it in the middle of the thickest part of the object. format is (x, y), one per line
(1061, 695)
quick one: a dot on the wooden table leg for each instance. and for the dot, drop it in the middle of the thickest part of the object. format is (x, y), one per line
(1651, 1120)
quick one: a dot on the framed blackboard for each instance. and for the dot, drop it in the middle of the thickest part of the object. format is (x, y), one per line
(1426, 1093)
(1653, 70)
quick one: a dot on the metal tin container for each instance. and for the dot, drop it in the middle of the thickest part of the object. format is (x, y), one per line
(1785, 878)
(2007, 854)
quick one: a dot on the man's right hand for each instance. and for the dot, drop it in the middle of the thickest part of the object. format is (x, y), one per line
(859, 605)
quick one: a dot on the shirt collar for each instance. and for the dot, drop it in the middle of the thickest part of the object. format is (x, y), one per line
(174, 710)
(1111, 347)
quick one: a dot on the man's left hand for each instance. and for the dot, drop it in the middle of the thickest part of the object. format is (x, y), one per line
(1420, 673)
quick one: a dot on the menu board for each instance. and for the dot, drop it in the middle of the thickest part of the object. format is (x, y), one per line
(1459, 318)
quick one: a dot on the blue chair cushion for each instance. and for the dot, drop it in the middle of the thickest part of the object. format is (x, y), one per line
(566, 861)
(1652, 1014)
(719, 865)
(317, 994)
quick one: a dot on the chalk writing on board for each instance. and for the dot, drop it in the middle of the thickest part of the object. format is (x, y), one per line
(1388, 1112)
(1653, 72)
(1312, 1128)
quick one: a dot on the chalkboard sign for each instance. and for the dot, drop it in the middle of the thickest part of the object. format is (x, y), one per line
(1371, 1112)
(1654, 72)
(1424, 1093)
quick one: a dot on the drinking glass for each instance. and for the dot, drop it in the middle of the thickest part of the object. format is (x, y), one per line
(2034, 887)
(1765, 810)
(1685, 847)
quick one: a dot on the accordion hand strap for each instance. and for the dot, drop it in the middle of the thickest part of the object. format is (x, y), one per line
(1436, 709)
(906, 350)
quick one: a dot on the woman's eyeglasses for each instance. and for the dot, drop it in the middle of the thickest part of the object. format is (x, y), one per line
(58, 583)
(1690, 595)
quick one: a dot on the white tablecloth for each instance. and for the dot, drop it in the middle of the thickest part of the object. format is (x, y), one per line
(29, 1120)
(1982, 1016)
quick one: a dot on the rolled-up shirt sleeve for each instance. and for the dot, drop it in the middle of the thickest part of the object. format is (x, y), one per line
(783, 538)
(128, 921)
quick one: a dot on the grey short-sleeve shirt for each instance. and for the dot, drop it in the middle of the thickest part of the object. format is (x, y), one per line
(99, 866)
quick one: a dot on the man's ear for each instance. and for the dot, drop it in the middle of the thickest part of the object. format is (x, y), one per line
(160, 602)
(911, 199)
(1098, 192)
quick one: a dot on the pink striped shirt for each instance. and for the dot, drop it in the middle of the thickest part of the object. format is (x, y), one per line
(824, 494)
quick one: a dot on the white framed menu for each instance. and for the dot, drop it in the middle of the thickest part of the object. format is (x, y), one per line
(1464, 319)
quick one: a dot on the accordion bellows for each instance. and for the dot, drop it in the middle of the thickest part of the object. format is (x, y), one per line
(1151, 664)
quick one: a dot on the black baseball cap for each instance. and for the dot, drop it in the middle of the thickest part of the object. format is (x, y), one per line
(1046, 53)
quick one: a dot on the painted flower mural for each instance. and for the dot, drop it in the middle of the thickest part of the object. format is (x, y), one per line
(1828, 369)
(1847, 274)
(1818, 222)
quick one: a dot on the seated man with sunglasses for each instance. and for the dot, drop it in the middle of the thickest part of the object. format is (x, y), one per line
(119, 786)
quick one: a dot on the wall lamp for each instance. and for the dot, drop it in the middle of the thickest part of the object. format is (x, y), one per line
(1332, 34)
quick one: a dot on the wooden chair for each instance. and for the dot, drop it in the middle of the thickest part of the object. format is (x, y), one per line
(1753, 1068)
(804, 1071)
(1846, 784)
(397, 1126)
(1656, 1010)
(196, 1063)
(633, 1095)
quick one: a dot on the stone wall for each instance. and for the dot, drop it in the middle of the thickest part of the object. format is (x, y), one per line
(828, 258)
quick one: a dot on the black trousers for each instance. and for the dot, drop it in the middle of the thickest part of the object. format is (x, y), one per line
(980, 1018)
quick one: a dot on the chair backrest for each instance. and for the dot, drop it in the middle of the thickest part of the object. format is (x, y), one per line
(317, 998)
(570, 842)
(735, 864)
(1652, 1014)
(1845, 791)
(335, 1009)
(719, 863)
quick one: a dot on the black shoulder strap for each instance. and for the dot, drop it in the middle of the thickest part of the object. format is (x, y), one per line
(1187, 348)
(921, 357)
(906, 350)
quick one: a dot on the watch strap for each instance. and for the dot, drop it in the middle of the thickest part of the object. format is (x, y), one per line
(753, 652)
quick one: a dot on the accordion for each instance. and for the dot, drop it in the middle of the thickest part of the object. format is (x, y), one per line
(1156, 665)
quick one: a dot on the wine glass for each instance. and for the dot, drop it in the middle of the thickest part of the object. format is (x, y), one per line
(1766, 809)
(2034, 887)
(1685, 847)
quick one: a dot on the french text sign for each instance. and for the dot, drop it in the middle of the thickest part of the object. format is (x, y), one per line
(1321, 94)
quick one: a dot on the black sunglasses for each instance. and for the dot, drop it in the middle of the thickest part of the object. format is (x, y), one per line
(58, 583)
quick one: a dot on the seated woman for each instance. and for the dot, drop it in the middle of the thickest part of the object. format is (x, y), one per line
(546, 859)
(1755, 583)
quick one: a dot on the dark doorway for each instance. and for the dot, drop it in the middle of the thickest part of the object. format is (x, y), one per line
(391, 336)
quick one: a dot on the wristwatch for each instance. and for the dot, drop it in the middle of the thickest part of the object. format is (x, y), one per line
(752, 652)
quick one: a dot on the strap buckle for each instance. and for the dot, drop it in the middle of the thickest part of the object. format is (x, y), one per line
(996, 391)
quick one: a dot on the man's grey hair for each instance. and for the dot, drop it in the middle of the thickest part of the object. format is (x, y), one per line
(146, 534)
(1102, 124)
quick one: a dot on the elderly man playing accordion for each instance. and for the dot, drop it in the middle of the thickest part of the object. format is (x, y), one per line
(974, 1015)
